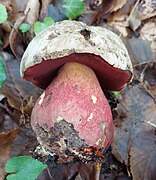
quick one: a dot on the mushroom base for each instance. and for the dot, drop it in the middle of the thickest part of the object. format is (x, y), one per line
(63, 143)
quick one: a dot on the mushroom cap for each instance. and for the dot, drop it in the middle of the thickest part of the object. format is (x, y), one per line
(67, 41)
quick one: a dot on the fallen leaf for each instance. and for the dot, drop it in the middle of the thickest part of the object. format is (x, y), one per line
(17, 90)
(103, 8)
(143, 152)
(134, 21)
(15, 39)
(6, 27)
(120, 26)
(56, 11)
(148, 32)
(72, 171)
(118, 5)
(31, 13)
(19, 5)
(146, 73)
(139, 50)
(6, 141)
(122, 13)
(44, 9)
(147, 9)
(135, 138)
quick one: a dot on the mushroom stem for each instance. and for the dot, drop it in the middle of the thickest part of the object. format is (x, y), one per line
(73, 111)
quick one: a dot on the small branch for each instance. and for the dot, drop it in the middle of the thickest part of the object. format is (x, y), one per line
(5, 107)
(129, 17)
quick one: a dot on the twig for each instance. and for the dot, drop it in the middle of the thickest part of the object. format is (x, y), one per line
(98, 168)
(129, 17)
(5, 107)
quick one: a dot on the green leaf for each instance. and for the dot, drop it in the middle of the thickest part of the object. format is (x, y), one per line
(24, 168)
(40, 26)
(73, 8)
(3, 13)
(116, 93)
(24, 27)
(48, 21)
(2, 72)
(1, 42)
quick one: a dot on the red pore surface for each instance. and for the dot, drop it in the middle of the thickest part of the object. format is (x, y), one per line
(110, 78)
(75, 95)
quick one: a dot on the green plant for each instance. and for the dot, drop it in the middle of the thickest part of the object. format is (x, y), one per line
(73, 8)
(1, 42)
(3, 13)
(2, 72)
(24, 27)
(23, 168)
(40, 26)
(116, 93)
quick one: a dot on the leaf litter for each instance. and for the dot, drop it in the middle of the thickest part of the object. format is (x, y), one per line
(135, 132)
(134, 114)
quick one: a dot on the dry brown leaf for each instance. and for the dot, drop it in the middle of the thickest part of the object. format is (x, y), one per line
(5, 26)
(15, 39)
(139, 50)
(16, 142)
(147, 9)
(17, 90)
(148, 32)
(101, 11)
(76, 171)
(143, 153)
(18, 5)
(44, 8)
(146, 73)
(135, 126)
(5, 40)
(120, 26)
(118, 5)
(32, 11)
(122, 13)
(6, 142)
(134, 21)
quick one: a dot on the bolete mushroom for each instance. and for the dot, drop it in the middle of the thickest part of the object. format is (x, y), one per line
(73, 62)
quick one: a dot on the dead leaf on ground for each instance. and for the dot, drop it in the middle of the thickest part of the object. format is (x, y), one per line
(135, 137)
(139, 50)
(7, 123)
(17, 90)
(99, 9)
(122, 13)
(6, 141)
(71, 171)
(31, 16)
(44, 8)
(16, 40)
(147, 9)
(32, 11)
(19, 5)
(148, 32)
(56, 11)
(146, 74)
(16, 142)
(118, 5)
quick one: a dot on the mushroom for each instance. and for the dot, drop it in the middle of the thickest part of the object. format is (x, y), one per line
(74, 63)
